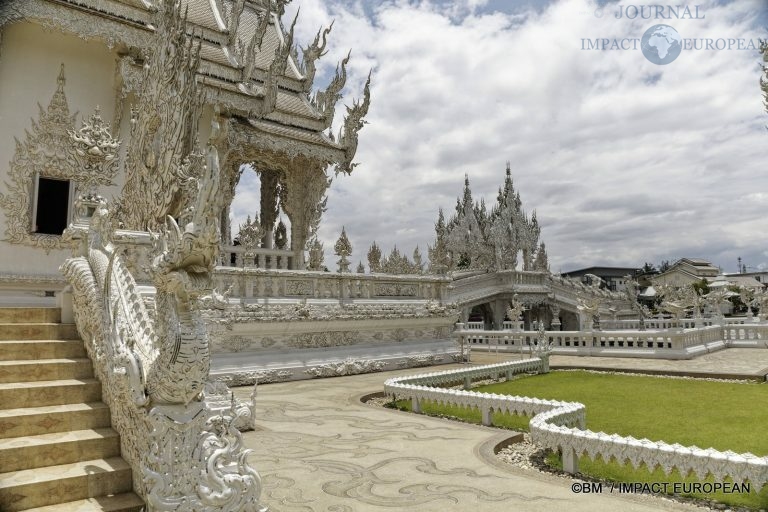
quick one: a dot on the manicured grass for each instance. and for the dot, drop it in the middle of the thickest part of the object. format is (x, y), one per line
(723, 415)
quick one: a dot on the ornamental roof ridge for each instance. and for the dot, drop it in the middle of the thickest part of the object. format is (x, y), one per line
(224, 29)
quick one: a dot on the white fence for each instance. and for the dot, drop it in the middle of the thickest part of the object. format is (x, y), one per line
(670, 323)
(561, 426)
(235, 256)
(667, 344)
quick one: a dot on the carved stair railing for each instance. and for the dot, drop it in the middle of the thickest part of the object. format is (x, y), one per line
(102, 302)
(183, 455)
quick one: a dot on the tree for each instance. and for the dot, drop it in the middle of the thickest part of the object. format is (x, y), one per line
(649, 268)
(664, 266)
(701, 287)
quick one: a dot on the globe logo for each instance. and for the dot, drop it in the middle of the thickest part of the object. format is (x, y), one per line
(661, 44)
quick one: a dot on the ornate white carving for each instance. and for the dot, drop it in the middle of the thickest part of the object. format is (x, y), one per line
(162, 126)
(475, 238)
(96, 151)
(47, 152)
(311, 54)
(325, 101)
(419, 361)
(154, 369)
(253, 377)
(219, 400)
(343, 249)
(299, 287)
(347, 367)
(197, 462)
(353, 123)
(514, 309)
(324, 339)
(590, 309)
(164, 363)
(395, 290)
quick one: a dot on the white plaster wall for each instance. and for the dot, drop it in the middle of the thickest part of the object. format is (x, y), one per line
(30, 58)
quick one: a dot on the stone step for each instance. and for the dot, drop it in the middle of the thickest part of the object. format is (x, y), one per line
(49, 392)
(42, 349)
(127, 502)
(38, 331)
(32, 421)
(40, 451)
(30, 315)
(29, 488)
(45, 369)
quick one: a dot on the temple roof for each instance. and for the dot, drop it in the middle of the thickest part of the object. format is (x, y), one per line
(249, 61)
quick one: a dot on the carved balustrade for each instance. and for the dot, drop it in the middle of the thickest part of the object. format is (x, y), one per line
(656, 323)
(272, 259)
(303, 284)
(746, 335)
(665, 343)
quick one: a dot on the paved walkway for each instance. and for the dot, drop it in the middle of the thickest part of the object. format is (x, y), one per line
(319, 449)
(732, 361)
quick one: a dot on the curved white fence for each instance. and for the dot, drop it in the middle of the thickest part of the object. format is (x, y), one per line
(560, 426)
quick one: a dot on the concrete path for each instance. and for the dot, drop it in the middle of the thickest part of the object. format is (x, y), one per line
(739, 362)
(319, 449)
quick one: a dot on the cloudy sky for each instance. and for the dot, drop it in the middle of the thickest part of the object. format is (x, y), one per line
(624, 161)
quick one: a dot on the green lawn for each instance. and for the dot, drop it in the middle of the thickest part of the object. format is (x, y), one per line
(724, 415)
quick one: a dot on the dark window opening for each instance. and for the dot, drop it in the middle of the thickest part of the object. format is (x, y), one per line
(52, 206)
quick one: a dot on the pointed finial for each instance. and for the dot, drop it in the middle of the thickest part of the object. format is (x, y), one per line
(61, 79)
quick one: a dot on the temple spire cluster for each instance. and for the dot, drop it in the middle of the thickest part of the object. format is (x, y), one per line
(475, 237)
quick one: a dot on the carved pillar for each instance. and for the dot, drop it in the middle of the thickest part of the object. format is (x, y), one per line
(228, 185)
(302, 191)
(555, 310)
(269, 182)
(499, 311)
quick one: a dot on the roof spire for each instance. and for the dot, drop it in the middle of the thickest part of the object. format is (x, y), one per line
(61, 79)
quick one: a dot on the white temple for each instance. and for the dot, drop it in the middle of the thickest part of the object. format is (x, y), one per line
(126, 126)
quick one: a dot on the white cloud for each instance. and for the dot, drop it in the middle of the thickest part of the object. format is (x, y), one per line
(623, 160)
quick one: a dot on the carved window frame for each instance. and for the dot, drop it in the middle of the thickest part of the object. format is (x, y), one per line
(46, 151)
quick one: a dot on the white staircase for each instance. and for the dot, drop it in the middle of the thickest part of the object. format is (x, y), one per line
(57, 449)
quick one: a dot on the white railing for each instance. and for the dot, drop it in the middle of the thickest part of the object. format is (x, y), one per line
(422, 388)
(657, 323)
(234, 256)
(677, 343)
(560, 426)
(509, 325)
(746, 335)
(300, 284)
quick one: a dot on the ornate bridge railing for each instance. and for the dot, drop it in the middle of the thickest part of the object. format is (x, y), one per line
(474, 288)
(560, 426)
